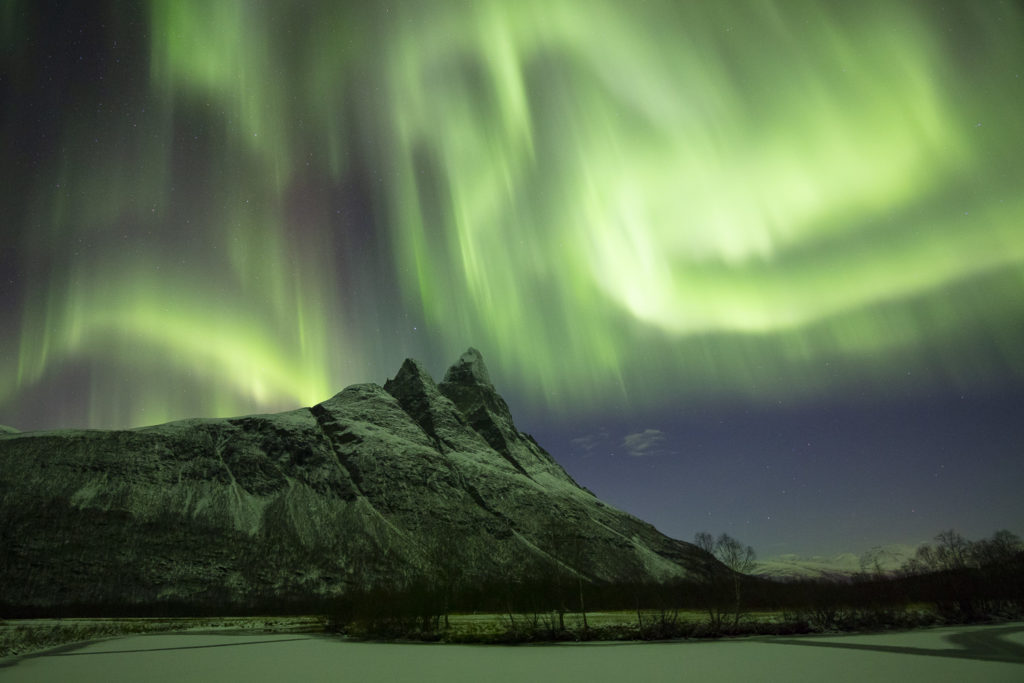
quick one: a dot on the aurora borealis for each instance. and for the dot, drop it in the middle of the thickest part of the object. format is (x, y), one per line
(635, 210)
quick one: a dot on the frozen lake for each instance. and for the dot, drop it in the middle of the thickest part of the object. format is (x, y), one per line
(979, 653)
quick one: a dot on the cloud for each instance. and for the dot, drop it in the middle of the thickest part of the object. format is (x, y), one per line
(588, 443)
(645, 443)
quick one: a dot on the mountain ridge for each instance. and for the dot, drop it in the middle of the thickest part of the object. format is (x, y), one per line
(883, 560)
(357, 491)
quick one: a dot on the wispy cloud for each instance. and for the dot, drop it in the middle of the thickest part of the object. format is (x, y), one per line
(645, 443)
(589, 443)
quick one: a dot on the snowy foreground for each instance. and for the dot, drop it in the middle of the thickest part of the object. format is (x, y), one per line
(979, 653)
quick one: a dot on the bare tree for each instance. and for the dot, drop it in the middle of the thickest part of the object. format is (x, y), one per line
(876, 563)
(566, 547)
(447, 561)
(734, 555)
(741, 560)
(950, 552)
(1003, 546)
(953, 550)
(737, 557)
(705, 541)
(963, 577)
(578, 561)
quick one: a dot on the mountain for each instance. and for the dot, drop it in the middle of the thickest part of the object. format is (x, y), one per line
(372, 487)
(883, 560)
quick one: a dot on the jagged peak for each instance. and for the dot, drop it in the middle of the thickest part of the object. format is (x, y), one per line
(469, 369)
(411, 369)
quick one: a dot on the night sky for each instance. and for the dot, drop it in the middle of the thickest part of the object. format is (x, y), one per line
(748, 267)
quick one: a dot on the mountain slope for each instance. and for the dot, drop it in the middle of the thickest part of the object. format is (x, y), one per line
(370, 487)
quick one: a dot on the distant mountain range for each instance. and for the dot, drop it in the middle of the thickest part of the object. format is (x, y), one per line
(374, 486)
(880, 559)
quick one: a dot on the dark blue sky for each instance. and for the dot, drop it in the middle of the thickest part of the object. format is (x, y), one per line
(835, 477)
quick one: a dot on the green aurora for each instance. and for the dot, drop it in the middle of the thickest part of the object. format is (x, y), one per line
(255, 203)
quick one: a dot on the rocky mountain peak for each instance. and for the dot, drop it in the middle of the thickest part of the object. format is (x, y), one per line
(347, 494)
(469, 370)
(411, 375)
(420, 398)
(467, 384)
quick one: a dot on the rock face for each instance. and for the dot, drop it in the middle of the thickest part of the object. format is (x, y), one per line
(367, 488)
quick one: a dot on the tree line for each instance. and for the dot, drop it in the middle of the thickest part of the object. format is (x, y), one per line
(952, 580)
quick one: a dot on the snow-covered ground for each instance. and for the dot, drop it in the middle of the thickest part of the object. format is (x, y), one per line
(24, 636)
(980, 653)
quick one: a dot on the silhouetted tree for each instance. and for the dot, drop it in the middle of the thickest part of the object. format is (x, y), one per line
(447, 560)
(737, 557)
(953, 550)
(964, 578)
(705, 541)
(1001, 547)
(565, 546)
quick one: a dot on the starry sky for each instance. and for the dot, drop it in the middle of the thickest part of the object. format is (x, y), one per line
(749, 267)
